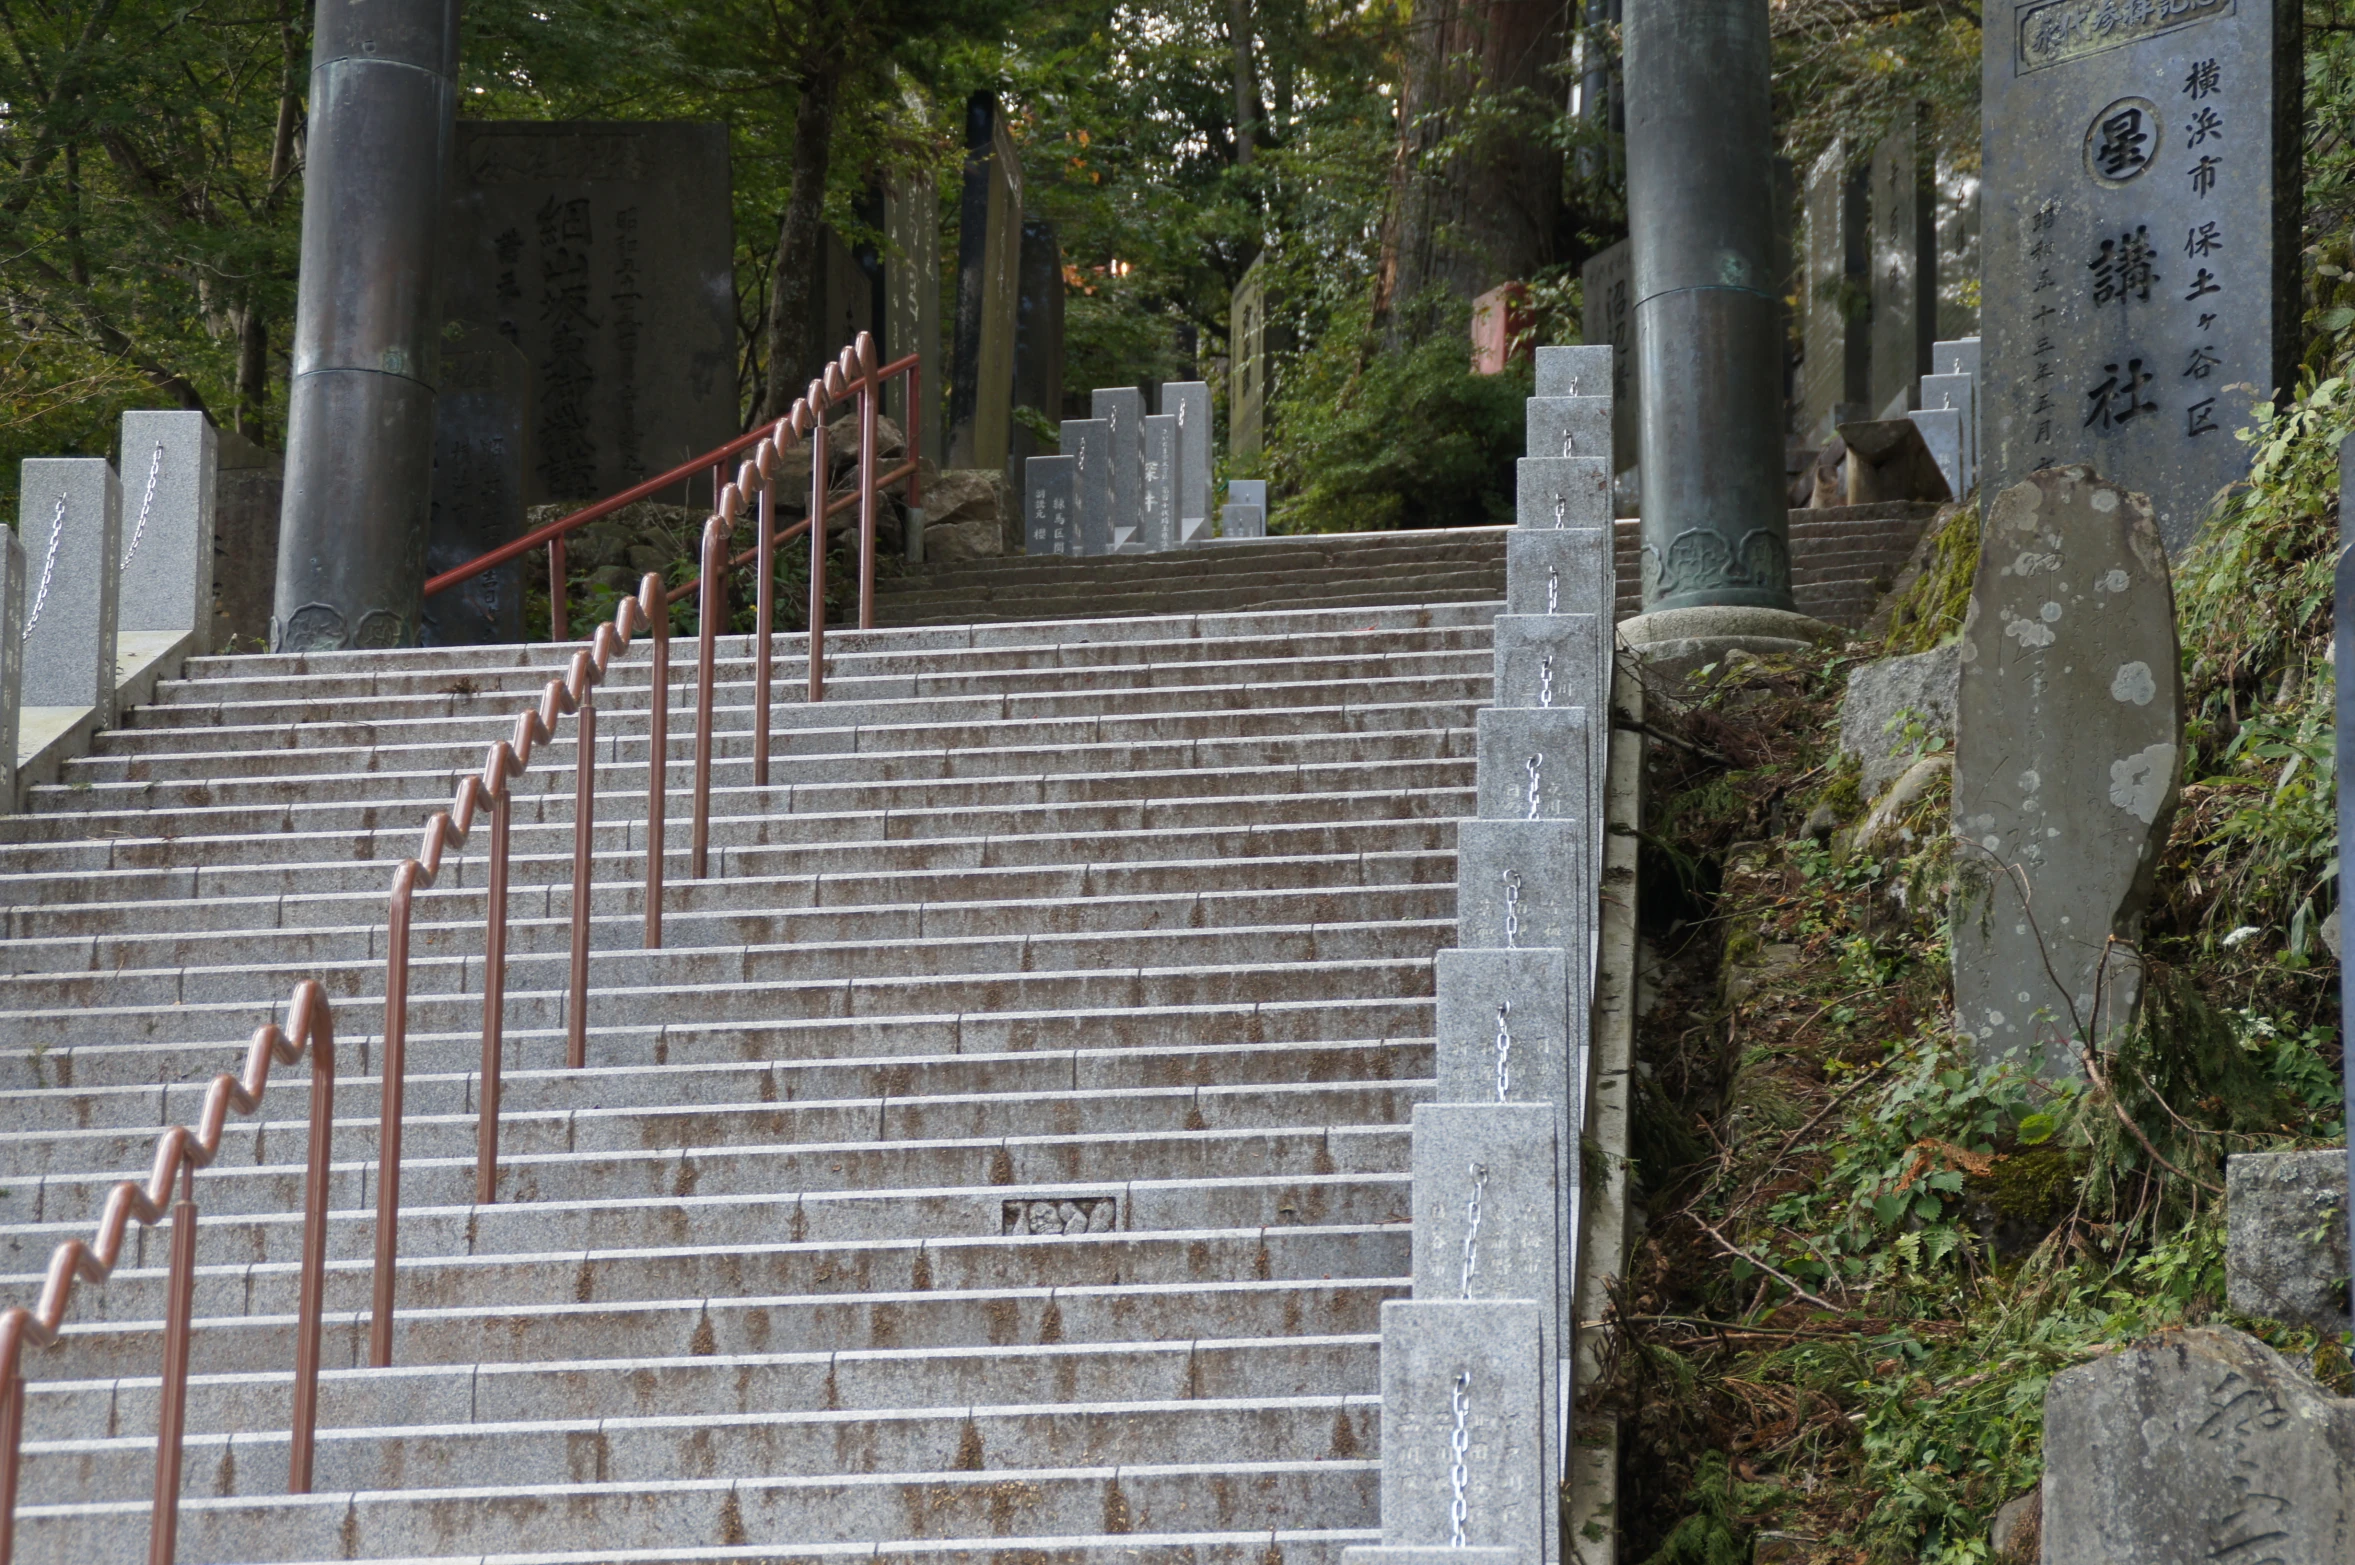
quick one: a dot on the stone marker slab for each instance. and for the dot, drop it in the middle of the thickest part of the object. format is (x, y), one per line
(1242, 521)
(12, 661)
(167, 585)
(1158, 499)
(251, 491)
(1563, 492)
(1121, 410)
(481, 430)
(1544, 1037)
(1835, 376)
(911, 304)
(1548, 750)
(1609, 321)
(1574, 370)
(2201, 1445)
(1549, 902)
(1425, 1554)
(2139, 260)
(1248, 491)
(1492, 1222)
(1088, 442)
(1547, 660)
(2285, 1228)
(989, 289)
(1904, 317)
(1960, 393)
(1568, 426)
(1247, 366)
(1486, 1356)
(70, 522)
(1567, 570)
(1188, 401)
(2068, 745)
(1955, 356)
(1942, 434)
(1049, 522)
(606, 253)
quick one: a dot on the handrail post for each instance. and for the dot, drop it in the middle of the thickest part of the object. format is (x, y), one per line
(870, 400)
(12, 1427)
(658, 754)
(556, 574)
(388, 1130)
(312, 1300)
(707, 663)
(172, 1415)
(494, 986)
(584, 826)
(915, 437)
(764, 624)
(817, 637)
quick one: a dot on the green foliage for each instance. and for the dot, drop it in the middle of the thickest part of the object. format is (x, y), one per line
(1932, 607)
(1708, 1536)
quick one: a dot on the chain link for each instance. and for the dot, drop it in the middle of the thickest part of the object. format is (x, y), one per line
(146, 503)
(1512, 880)
(48, 569)
(1458, 1444)
(1553, 590)
(1561, 508)
(1472, 1226)
(1504, 1053)
(1535, 762)
(1545, 681)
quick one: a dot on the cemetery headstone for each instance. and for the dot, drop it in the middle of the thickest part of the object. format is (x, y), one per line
(251, 492)
(1158, 501)
(1479, 1360)
(1188, 401)
(2069, 735)
(1038, 333)
(1121, 409)
(1904, 265)
(1088, 442)
(167, 559)
(1835, 368)
(989, 263)
(1247, 366)
(1049, 525)
(2196, 1445)
(911, 302)
(69, 519)
(606, 253)
(1609, 284)
(480, 424)
(2140, 261)
(2285, 1237)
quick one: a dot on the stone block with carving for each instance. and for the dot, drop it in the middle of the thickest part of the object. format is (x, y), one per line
(2285, 1226)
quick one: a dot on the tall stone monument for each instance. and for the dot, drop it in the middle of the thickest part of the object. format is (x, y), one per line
(2068, 745)
(1247, 365)
(911, 302)
(1038, 334)
(1607, 286)
(359, 422)
(1121, 409)
(605, 252)
(481, 431)
(1188, 401)
(1835, 366)
(2141, 198)
(989, 263)
(1904, 266)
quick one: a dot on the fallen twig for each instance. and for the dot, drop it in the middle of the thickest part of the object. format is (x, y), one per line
(1784, 1278)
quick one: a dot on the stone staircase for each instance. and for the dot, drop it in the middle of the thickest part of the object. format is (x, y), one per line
(1005, 1154)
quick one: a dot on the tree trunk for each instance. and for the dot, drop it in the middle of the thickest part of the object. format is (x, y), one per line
(253, 326)
(800, 236)
(1246, 89)
(1482, 213)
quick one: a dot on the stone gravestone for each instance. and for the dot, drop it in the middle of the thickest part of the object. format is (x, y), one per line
(1188, 401)
(1048, 523)
(1247, 365)
(1608, 282)
(2068, 742)
(606, 253)
(2285, 1226)
(2140, 265)
(1158, 503)
(2200, 1445)
(911, 303)
(1835, 368)
(989, 263)
(1121, 410)
(1038, 334)
(1905, 264)
(480, 420)
(1088, 442)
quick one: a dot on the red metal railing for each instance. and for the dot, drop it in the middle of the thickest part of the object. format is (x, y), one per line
(179, 1153)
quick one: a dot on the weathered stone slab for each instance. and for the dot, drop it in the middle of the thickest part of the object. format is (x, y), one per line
(1481, 1360)
(2140, 253)
(1609, 321)
(1835, 374)
(167, 586)
(1562, 492)
(1157, 506)
(1886, 697)
(1188, 401)
(1426, 1554)
(1904, 316)
(1049, 525)
(606, 253)
(1530, 885)
(1942, 436)
(2069, 736)
(2285, 1225)
(1247, 366)
(1568, 570)
(1959, 393)
(1574, 370)
(989, 265)
(1506, 1030)
(480, 431)
(12, 661)
(1088, 442)
(911, 304)
(1038, 335)
(1955, 356)
(1545, 752)
(1491, 1222)
(1547, 660)
(251, 493)
(2201, 1445)
(1121, 410)
(1569, 426)
(1242, 521)
(70, 521)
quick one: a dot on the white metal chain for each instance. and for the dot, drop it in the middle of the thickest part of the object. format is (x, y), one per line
(1504, 1053)
(1553, 590)
(48, 569)
(1561, 508)
(1545, 681)
(1569, 443)
(1472, 1227)
(155, 466)
(1535, 762)
(1512, 880)
(1459, 1443)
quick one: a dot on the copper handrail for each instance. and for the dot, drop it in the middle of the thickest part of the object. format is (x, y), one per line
(179, 1153)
